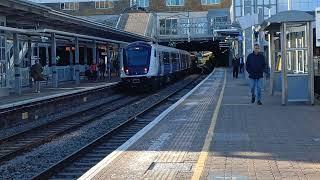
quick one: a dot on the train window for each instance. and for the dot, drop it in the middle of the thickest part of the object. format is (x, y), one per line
(137, 56)
(155, 53)
(166, 59)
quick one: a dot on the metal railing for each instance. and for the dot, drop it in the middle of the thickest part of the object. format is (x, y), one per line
(176, 27)
(65, 73)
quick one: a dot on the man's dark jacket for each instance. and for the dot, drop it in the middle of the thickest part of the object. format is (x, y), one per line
(255, 65)
(36, 72)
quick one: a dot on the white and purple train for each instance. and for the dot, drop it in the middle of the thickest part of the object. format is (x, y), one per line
(147, 64)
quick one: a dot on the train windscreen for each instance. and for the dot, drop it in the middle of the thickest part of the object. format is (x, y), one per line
(137, 56)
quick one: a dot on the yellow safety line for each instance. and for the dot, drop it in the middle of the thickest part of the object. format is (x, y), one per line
(205, 149)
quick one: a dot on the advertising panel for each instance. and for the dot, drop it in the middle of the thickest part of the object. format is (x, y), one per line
(318, 26)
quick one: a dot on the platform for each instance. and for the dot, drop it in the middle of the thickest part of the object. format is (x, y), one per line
(219, 134)
(47, 92)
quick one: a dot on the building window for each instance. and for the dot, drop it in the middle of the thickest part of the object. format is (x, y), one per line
(168, 26)
(175, 2)
(140, 3)
(210, 2)
(104, 4)
(69, 6)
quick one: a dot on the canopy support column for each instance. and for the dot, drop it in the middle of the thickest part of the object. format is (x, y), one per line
(310, 62)
(283, 65)
(17, 75)
(94, 52)
(271, 61)
(54, 60)
(77, 71)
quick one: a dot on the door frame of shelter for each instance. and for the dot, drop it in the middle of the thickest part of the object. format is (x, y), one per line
(274, 62)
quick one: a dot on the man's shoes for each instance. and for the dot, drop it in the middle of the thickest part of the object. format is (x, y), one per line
(259, 103)
(253, 99)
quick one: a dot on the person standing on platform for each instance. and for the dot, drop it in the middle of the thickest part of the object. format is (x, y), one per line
(102, 69)
(255, 66)
(93, 70)
(36, 74)
(241, 64)
(235, 64)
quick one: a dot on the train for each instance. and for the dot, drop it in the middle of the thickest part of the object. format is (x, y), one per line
(146, 64)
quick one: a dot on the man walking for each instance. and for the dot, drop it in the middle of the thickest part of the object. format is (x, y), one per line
(235, 64)
(255, 66)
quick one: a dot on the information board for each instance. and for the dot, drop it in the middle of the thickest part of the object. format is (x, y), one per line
(318, 26)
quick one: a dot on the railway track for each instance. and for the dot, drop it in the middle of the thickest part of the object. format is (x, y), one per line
(82, 160)
(13, 146)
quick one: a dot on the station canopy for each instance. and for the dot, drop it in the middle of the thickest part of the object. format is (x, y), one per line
(32, 16)
(274, 22)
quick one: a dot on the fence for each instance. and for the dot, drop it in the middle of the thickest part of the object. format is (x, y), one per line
(65, 73)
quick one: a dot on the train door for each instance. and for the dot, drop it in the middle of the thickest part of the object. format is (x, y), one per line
(166, 63)
(174, 61)
(170, 62)
(182, 59)
(179, 62)
(161, 63)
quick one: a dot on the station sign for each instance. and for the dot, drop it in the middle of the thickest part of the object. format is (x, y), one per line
(318, 26)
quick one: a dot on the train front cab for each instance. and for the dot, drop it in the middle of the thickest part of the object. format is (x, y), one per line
(136, 65)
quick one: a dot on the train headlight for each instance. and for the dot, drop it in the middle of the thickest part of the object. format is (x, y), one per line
(127, 71)
(145, 70)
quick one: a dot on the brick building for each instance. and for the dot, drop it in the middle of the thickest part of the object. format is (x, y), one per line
(95, 7)
(167, 20)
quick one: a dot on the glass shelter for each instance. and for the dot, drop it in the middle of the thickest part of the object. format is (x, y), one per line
(291, 55)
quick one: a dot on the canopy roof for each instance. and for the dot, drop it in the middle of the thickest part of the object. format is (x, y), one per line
(27, 15)
(274, 22)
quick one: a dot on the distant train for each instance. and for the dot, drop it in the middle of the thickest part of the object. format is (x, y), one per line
(147, 64)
